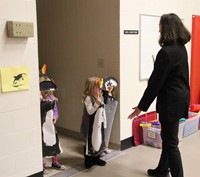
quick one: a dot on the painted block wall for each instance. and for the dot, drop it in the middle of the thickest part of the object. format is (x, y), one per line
(20, 135)
(130, 10)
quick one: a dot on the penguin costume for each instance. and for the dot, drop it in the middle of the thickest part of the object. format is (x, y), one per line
(50, 141)
(109, 86)
(93, 123)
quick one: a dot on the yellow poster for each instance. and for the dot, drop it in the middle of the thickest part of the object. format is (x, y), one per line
(15, 78)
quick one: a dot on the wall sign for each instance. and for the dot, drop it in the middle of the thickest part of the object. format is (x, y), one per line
(14, 78)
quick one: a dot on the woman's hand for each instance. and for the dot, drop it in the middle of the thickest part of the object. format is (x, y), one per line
(135, 113)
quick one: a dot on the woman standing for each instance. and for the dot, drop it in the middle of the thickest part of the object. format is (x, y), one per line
(169, 82)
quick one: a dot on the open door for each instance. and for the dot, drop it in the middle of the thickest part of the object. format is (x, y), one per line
(195, 61)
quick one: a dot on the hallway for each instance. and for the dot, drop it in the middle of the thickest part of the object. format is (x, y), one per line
(132, 162)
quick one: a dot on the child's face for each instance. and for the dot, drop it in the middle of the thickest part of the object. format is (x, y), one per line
(96, 91)
(46, 93)
(109, 88)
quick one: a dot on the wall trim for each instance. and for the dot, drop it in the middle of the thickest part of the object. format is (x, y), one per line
(39, 174)
(127, 143)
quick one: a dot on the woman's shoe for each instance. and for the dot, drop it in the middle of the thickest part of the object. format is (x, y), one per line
(157, 173)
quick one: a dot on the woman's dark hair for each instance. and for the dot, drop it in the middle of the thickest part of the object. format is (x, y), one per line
(172, 30)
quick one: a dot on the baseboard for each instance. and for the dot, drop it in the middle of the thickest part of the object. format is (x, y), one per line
(40, 174)
(76, 135)
(127, 143)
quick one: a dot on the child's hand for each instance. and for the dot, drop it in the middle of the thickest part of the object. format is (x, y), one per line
(98, 100)
(54, 120)
(55, 98)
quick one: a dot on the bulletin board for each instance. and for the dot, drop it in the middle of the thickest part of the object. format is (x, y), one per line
(149, 47)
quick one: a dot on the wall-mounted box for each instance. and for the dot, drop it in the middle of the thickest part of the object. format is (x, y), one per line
(19, 29)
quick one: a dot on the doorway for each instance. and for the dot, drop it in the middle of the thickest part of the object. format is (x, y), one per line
(73, 36)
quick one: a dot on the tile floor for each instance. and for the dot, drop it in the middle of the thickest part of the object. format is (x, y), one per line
(132, 162)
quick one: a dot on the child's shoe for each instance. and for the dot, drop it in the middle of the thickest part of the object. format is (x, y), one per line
(107, 151)
(45, 171)
(96, 160)
(88, 161)
(58, 166)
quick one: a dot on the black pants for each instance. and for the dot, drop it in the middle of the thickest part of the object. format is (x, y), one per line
(170, 157)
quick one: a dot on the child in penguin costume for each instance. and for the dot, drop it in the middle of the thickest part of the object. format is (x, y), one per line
(49, 116)
(109, 91)
(93, 122)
